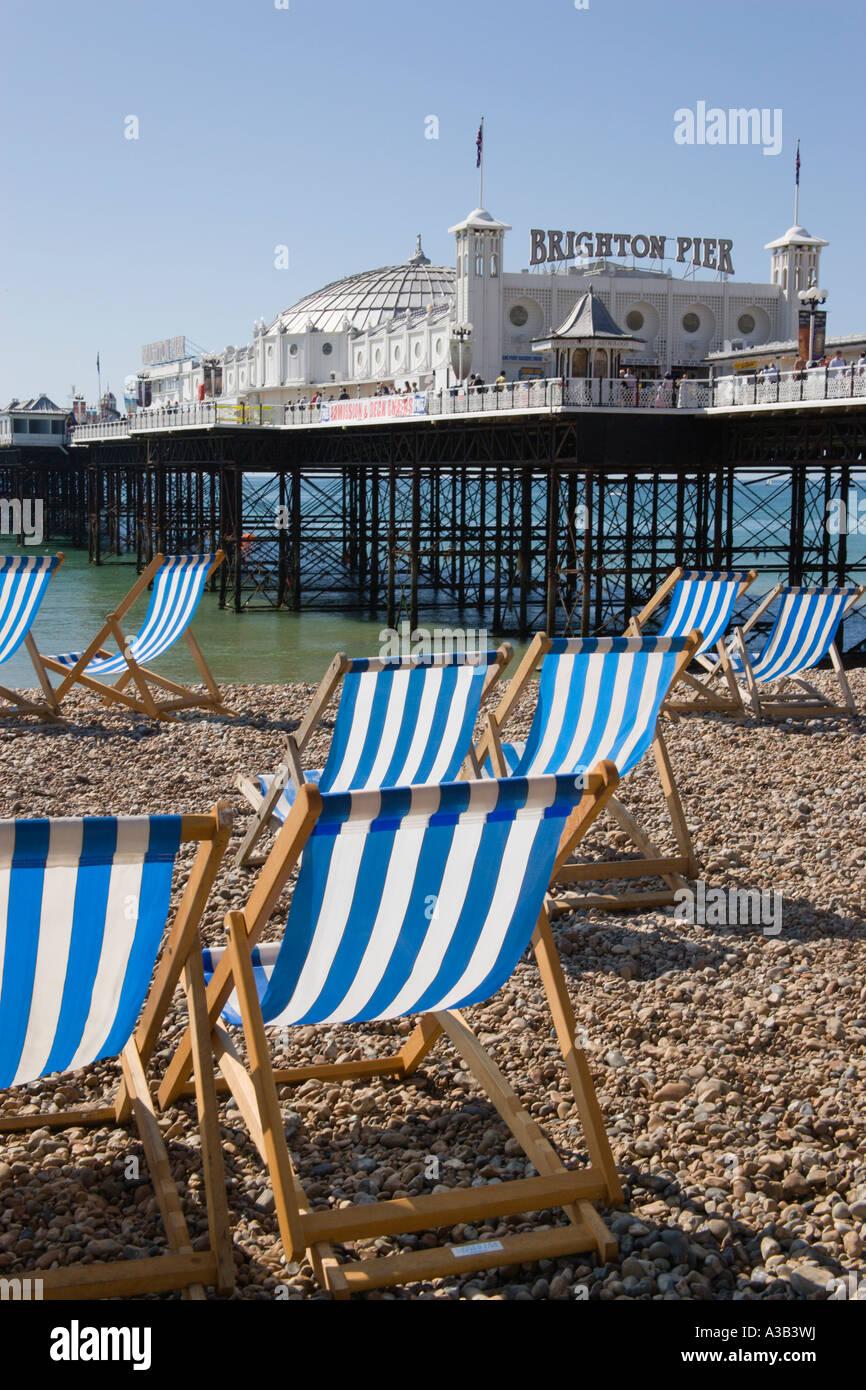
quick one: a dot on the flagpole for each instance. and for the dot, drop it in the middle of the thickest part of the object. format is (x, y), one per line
(481, 168)
(99, 389)
(797, 187)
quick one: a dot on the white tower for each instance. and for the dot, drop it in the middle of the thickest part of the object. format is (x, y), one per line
(479, 287)
(794, 265)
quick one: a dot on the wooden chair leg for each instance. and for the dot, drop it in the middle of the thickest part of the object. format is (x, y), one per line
(751, 683)
(565, 1024)
(420, 1041)
(526, 1131)
(730, 677)
(157, 1159)
(262, 814)
(842, 680)
(290, 1200)
(666, 867)
(182, 936)
(203, 669)
(143, 689)
(633, 828)
(208, 1122)
(673, 802)
(273, 1135)
(42, 675)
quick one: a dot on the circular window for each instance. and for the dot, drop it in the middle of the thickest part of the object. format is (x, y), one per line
(359, 358)
(293, 350)
(243, 378)
(746, 323)
(438, 346)
(270, 351)
(327, 349)
(398, 353)
(634, 319)
(691, 322)
(417, 351)
(378, 357)
(518, 315)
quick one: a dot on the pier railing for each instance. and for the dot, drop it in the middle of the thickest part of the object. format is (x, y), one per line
(609, 393)
(790, 388)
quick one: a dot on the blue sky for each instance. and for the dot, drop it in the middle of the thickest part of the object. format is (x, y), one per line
(305, 127)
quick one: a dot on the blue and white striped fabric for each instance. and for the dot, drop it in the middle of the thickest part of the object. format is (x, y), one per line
(177, 589)
(412, 899)
(400, 721)
(802, 634)
(598, 697)
(23, 581)
(83, 905)
(702, 600)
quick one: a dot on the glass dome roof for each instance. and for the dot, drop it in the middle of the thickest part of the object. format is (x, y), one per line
(374, 297)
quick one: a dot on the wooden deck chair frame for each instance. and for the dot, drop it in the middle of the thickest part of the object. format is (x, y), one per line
(50, 709)
(140, 677)
(180, 960)
(779, 705)
(316, 1232)
(289, 768)
(650, 861)
(704, 699)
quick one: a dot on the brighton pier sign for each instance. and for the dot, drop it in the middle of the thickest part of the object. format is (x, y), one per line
(711, 253)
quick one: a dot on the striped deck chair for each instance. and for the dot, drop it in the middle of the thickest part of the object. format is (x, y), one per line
(23, 582)
(702, 600)
(178, 584)
(804, 632)
(401, 720)
(83, 906)
(410, 901)
(600, 697)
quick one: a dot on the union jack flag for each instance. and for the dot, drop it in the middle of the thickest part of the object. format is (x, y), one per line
(479, 144)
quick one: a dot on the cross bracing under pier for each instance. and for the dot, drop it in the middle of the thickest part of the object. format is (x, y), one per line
(564, 521)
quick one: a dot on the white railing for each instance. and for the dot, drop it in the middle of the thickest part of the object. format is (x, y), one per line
(611, 393)
(198, 415)
(790, 388)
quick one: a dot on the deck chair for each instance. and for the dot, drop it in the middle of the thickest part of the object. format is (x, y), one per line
(600, 697)
(400, 720)
(804, 632)
(83, 905)
(178, 584)
(702, 600)
(23, 582)
(411, 901)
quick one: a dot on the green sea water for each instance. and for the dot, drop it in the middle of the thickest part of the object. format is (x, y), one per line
(254, 647)
(246, 648)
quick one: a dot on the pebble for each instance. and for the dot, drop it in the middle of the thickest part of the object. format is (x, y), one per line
(729, 1064)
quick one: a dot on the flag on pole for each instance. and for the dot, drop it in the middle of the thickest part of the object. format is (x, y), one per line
(479, 144)
(97, 361)
(797, 165)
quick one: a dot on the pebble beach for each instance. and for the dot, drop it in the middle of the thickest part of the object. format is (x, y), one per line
(728, 1061)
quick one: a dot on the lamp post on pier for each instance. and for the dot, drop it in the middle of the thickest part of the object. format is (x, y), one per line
(460, 343)
(810, 299)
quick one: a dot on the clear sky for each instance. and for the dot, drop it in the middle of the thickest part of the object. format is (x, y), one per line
(261, 126)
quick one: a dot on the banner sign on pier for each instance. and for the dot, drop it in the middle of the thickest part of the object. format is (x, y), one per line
(373, 408)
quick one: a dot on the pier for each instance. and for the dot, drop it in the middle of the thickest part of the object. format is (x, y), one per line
(511, 510)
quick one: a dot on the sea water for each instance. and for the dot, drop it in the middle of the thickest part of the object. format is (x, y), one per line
(273, 646)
